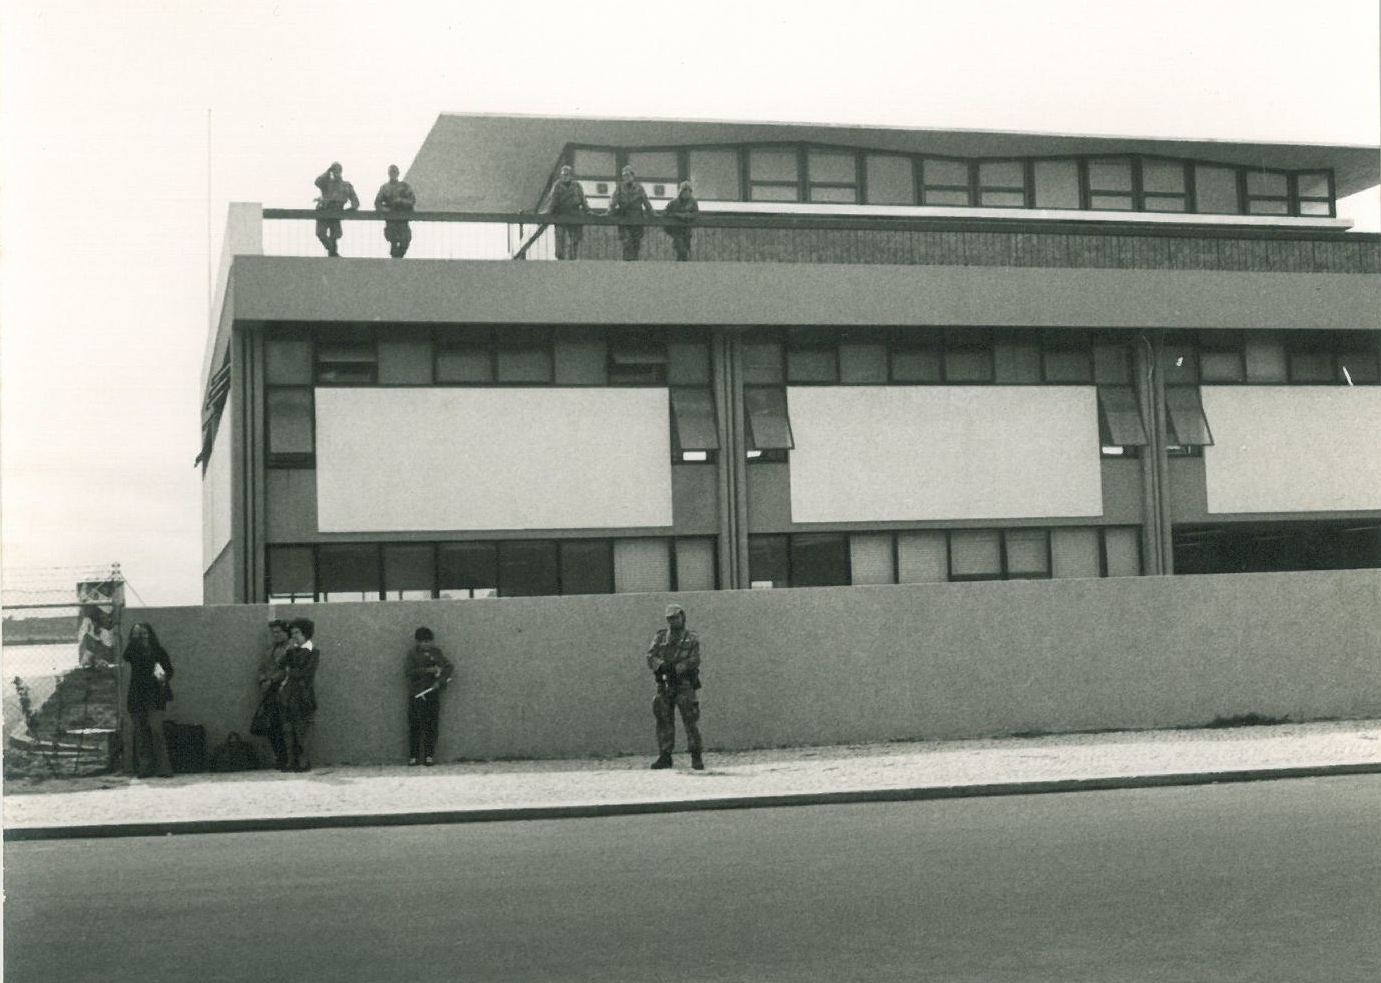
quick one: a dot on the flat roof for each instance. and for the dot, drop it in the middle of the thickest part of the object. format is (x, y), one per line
(500, 163)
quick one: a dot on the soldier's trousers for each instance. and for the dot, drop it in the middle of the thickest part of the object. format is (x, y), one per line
(631, 236)
(568, 241)
(664, 707)
(680, 245)
(399, 236)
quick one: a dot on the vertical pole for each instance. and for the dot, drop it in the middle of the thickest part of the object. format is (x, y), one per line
(1144, 367)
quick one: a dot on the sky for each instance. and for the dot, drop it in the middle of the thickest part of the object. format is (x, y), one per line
(128, 126)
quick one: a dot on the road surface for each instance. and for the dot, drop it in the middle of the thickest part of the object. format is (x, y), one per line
(1271, 880)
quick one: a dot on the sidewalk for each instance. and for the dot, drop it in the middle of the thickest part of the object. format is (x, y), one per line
(391, 795)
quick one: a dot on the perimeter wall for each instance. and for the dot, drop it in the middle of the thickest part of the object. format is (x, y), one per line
(556, 677)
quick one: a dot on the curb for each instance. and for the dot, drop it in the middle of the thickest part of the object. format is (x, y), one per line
(528, 813)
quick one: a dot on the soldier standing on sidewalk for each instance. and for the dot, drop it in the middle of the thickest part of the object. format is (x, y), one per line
(674, 658)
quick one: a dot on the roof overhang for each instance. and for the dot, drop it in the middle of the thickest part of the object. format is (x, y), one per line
(483, 162)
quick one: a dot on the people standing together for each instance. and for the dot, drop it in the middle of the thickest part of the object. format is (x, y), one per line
(287, 688)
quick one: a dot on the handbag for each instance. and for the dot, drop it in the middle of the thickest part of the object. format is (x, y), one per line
(264, 715)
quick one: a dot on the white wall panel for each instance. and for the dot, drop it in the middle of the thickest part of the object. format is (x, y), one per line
(1293, 448)
(216, 492)
(895, 453)
(391, 460)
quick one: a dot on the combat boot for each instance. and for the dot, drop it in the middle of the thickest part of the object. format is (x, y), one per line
(697, 762)
(663, 761)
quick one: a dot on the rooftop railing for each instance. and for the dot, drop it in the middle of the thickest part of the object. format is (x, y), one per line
(1194, 242)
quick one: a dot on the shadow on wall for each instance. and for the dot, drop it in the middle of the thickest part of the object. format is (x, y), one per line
(559, 677)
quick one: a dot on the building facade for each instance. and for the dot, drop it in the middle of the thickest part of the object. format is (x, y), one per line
(897, 356)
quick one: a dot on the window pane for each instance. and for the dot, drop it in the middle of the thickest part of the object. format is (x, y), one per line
(348, 573)
(1112, 364)
(871, 558)
(1028, 553)
(287, 361)
(341, 363)
(1265, 360)
(922, 557)
(465, 356)
(1215, 189)
(1187, 419)
(1311, 366)
(581, 362)
(587, 567)
(1110, 175)
(1158, 203)
(863, 364)
(768, 425)
(837, 196)
(693, 416)
(1075, 552)
(1057, 184)
(933, 197)
(1315, 208)
(594, 164)
(968, 364)
(1179, 362)
(1120, 417)
(290, 572)
(406, 361)
(524, 363)
(1064, 359)
(1357, 352)
(890, 180)
(819, 560)
(1110, 203)
(1312, 185)
(916, 364)
(772, 165)
(1163, 176)
(641, 565)
(1266, 183)
(1001, 174)
(1259, 206)
(1002, 199)
(1221, 365)
(1123, 546)
(688, 363)
(811, 365)
(946, 172)
(408, 569)
(1015, 361)
(467, 569)
(695, 564)
(527, 569)
(714, 175)
(654, 165)
(762, 363)
(290, 421)
(832, 166)
(975, 553)
(767, 561)
(769, 192)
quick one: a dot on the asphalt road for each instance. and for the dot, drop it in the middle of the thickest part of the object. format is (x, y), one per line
(1271, 880)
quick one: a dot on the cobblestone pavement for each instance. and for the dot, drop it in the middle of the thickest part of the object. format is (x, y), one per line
(524, 788)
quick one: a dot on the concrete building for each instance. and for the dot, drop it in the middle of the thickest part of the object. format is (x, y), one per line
(898, 356)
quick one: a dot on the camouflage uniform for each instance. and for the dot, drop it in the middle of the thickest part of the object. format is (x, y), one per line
(336, 193)
(674, 657)
(630, 199)
(568, 198)
(684, 209)
(396, 196)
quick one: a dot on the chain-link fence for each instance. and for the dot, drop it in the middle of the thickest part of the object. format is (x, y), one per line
(60, 664)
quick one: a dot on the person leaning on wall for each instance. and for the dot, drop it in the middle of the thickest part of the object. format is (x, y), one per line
(147, 698)
(396, 197)
(428, 671)
(268, 719)
(298, 693)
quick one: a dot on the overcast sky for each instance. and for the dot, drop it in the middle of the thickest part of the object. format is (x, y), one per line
(127, 126)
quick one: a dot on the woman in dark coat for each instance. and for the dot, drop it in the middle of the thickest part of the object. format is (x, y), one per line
(147, 698)
(298, 694)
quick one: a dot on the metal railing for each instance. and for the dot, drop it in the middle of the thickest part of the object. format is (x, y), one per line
(1021, 240)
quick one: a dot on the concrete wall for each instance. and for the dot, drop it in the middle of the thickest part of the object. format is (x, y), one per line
(564, 676)
(603, 293)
